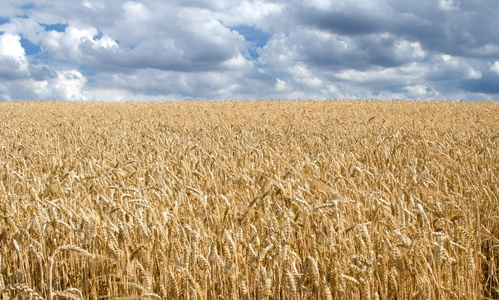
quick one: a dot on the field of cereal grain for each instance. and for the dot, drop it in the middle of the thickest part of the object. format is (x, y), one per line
(249, 200)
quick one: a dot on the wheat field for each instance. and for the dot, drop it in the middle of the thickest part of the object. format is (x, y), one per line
(249, 200)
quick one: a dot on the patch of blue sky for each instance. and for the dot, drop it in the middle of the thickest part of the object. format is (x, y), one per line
(123, 44)
(99, 35)
(59, 27)
(27, 6)
(255, 36)
(29, 47)
(3, 20)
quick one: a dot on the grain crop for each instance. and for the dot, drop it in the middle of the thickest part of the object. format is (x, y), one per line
(249, 200)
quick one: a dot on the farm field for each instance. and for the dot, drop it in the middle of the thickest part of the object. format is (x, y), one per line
(249, 200)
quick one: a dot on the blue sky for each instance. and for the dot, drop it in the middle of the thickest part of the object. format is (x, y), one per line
(315, 49)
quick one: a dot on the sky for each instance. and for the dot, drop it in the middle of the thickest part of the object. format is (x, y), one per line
(232, 49)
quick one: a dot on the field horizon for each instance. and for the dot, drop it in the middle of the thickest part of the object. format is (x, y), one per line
(249, 199)
(215, 100)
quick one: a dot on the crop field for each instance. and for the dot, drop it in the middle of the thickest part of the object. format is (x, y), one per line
(249, 200)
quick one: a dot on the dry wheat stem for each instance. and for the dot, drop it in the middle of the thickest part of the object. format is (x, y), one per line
(239, 199)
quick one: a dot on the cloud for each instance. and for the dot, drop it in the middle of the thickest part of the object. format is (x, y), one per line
(419, 90)
(69, 84)
(151, 49)
(259, 13)
(448, 5)
(65, 84)
(93, 5)
(495, 67)
(135, 12)
(65, 46)
(13, 62)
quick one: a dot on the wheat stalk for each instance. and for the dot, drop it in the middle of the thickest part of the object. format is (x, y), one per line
(241, 199)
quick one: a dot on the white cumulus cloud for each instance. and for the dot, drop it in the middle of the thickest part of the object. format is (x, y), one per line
(13, 62)
(152, 49)
(495, 67)
(448, 5)
(135, 11)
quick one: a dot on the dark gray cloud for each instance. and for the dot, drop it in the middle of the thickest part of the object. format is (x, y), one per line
(487, 84)
(463, 30)
(351, 21)
(150, 49)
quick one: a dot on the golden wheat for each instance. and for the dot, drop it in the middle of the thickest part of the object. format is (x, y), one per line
(252, 200)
